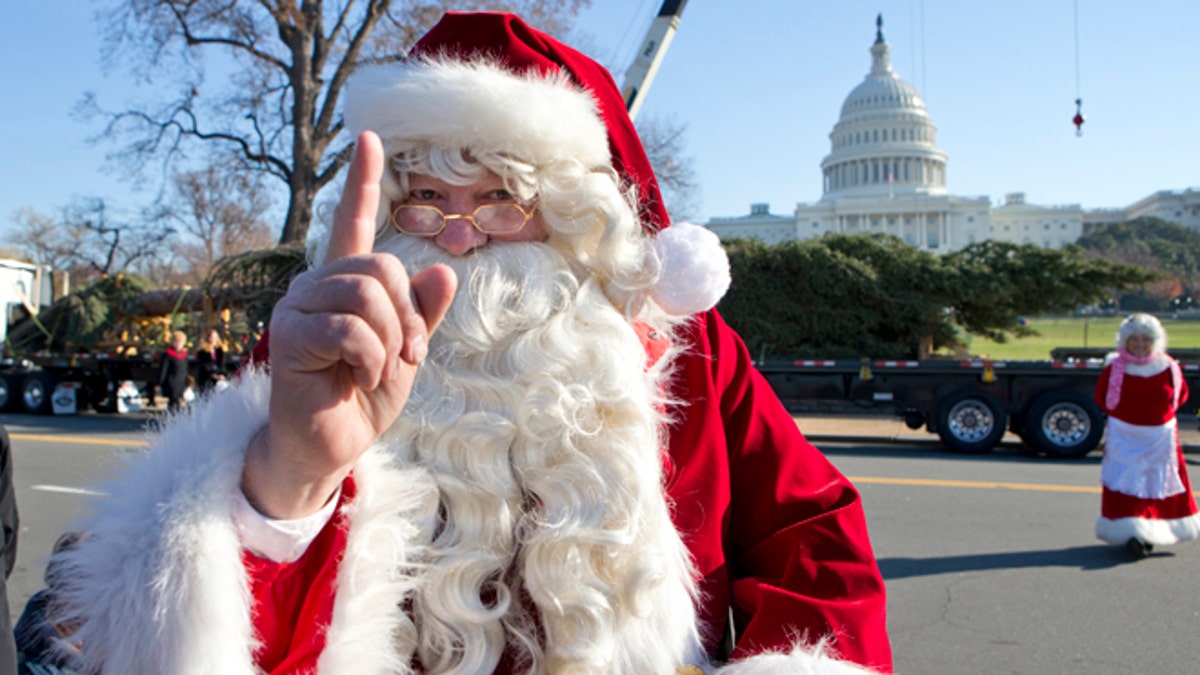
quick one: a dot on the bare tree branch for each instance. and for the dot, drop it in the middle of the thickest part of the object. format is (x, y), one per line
(218, 212)
(193, 40)
(88, 241)
(279, 109)
(663, 140)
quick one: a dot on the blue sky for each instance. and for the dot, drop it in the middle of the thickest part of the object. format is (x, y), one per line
(759, 85)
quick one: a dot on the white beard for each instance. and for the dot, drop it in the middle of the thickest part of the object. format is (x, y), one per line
(539, 427)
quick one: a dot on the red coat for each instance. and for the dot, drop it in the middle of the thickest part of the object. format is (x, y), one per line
(1147, 402)
(778, 535)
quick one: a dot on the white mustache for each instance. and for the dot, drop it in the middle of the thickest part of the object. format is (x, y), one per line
(503, 288)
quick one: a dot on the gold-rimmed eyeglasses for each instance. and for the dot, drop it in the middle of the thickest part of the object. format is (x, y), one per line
(423, 220)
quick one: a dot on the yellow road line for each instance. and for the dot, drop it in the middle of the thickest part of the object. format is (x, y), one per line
(84, 440)
(62, 489)
(979, 484)
(929, 482)
(987, 485)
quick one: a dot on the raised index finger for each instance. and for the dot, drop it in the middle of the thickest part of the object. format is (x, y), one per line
(353, 230)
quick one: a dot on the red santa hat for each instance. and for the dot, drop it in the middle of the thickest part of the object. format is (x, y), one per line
(488, 81)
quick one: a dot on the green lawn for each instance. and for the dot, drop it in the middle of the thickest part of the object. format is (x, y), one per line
(1076, 332)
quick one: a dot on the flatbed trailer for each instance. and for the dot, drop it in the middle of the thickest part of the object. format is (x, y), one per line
(29, 384)
(969, 403)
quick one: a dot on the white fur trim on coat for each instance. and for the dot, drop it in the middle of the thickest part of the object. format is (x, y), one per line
(1158, 362)
(158, 584)
(802, 660)
(695, 269)
(1149, 530)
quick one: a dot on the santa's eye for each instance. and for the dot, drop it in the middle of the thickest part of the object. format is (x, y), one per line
(501, 195)
(422, 195)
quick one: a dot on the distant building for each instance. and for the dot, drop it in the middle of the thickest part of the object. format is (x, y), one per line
(1177, 206)
(885, 174)
(1048, 227)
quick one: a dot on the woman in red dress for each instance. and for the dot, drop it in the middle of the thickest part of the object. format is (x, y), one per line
(1147, 499)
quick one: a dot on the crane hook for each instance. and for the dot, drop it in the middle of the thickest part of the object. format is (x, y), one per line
(1078, 119)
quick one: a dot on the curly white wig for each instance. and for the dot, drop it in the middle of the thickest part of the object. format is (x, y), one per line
(1142, 324)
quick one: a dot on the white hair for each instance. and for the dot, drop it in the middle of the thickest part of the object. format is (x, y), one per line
(1143, 324)
(540, 426)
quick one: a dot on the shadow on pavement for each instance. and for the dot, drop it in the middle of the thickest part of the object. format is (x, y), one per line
(1087, 558)
(83, 423)
(937, 451)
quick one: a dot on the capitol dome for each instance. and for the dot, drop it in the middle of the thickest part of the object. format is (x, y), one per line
(882, 91)
(884, 141)
(886, 176)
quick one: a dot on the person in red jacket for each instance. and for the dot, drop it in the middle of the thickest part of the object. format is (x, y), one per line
(503, 429)
(1147, 498)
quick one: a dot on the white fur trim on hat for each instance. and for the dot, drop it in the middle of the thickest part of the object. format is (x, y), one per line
(695, 269)
(452, 104)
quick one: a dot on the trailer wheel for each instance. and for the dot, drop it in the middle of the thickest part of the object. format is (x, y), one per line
(35, 393)
(1063, 423)
(971, 420)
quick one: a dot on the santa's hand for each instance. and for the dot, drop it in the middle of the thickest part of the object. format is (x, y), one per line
(346, 341)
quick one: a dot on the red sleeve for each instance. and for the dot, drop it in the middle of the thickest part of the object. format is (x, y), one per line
(778, 534)
(1184, 393)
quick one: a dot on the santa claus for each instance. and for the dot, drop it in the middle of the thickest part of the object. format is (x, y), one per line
(503, 430)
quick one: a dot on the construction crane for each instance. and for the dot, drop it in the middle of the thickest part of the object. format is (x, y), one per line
(654, 48)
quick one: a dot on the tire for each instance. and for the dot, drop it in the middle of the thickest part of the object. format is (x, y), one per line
(6, 392)
(1063, 423)
(971, 420)
(36, 391)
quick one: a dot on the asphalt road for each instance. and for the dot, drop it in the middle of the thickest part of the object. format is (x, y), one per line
(990, 561)
(992, 567)
(57, 462)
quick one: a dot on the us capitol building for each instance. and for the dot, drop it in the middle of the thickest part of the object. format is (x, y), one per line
(885, 174)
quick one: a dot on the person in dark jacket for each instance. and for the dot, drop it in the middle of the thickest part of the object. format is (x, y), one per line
(210, 362)
(173, 371)
(40, 639)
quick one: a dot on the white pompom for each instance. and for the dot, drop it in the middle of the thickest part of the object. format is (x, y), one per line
(695, 272)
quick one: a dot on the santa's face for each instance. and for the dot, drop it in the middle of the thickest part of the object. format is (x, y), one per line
(1139, 345)
(465, 227)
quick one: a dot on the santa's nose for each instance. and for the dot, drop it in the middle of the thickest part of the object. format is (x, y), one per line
(460, 236)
